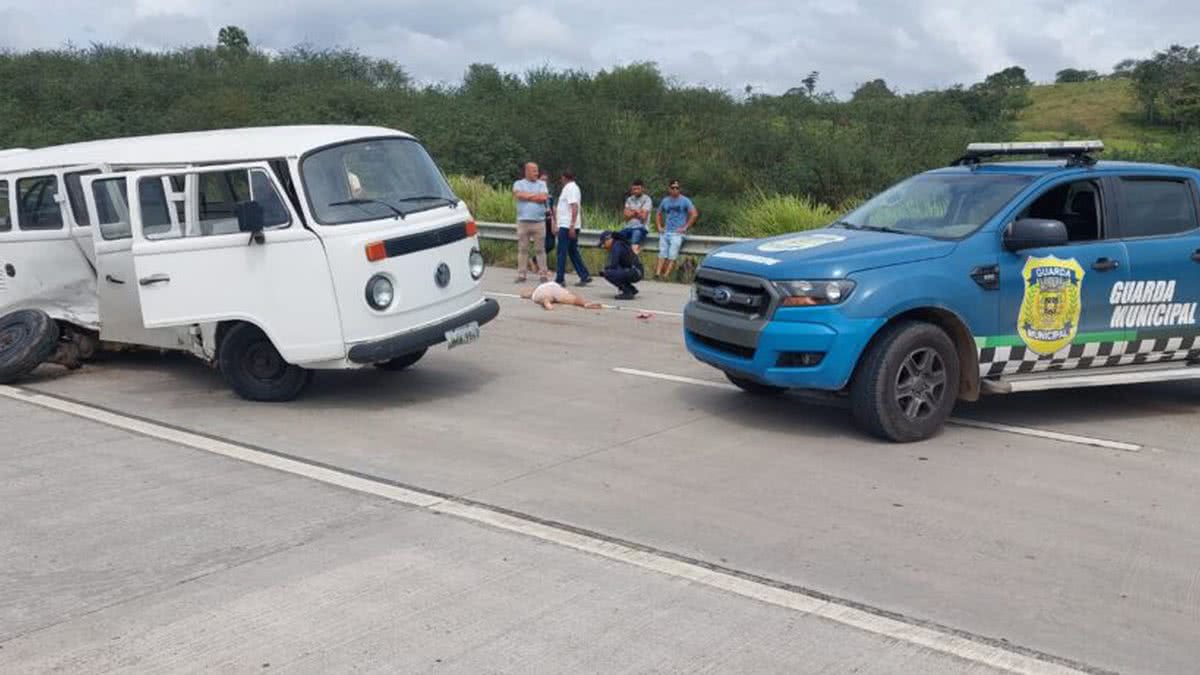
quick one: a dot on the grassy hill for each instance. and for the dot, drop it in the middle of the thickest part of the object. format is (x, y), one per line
(1104, 109)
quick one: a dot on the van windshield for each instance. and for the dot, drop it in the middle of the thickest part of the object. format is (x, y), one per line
(944, 206)
(373, 179)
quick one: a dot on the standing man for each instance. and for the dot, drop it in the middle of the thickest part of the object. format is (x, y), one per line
(570, 220)
(680, 214)
(638, 206)
(531, 195)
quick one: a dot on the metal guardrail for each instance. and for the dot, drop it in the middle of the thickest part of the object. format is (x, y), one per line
(692, 244)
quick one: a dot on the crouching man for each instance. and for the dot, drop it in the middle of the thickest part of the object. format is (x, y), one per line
(623, 268)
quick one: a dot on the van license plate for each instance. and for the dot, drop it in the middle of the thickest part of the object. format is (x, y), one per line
(463, 335)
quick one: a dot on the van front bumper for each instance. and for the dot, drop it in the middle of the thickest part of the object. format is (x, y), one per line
(759, 351)
(378, 351)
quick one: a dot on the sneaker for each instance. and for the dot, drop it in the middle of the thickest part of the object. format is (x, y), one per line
(624, 295)
(521, 278)
(584, 282)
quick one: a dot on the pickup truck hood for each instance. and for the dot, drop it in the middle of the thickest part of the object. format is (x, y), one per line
(829, 253)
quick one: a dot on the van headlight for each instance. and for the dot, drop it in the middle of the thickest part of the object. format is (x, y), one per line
(814, 293)
(476, 264)
(380, 292)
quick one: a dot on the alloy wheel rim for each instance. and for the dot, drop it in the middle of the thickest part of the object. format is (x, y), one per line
(920, 383)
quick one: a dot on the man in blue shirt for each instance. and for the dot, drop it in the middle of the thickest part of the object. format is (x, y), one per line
(675, 215)
(531, 195)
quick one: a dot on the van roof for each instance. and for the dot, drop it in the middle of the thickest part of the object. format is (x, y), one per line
(196, 147)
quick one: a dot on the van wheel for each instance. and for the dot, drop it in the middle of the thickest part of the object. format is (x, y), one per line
(907, 383)
(756, 388)
(401, 362)
(255, 370)
(27, 338)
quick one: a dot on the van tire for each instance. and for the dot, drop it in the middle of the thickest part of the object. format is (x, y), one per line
(912, 351)
(401, 362)
(754, 388)
(254, 368)
(27, 338)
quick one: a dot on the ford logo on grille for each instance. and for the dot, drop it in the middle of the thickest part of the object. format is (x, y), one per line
(722, 295)
(442, 276)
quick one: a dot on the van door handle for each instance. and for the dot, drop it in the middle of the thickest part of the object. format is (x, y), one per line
(154, 279)
(1105, 265)
(113, 280)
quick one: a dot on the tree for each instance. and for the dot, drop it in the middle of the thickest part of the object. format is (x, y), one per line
(1067, 75)
(875, 90)
(234, 40)
(810, 82)
(1012, 77)
(1125, 68)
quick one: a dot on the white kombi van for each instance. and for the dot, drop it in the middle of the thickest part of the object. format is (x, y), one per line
(269, 252)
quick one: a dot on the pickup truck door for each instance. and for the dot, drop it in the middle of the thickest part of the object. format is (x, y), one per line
(1054, 306)
(210, 269)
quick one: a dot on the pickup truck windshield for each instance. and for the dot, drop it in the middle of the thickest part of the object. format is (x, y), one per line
(944, 206)
(373, 179)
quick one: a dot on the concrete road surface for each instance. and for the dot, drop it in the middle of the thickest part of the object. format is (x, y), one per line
(575, 493)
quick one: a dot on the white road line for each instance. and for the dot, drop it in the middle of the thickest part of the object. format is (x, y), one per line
(625, 308)
(958, 421)
(675, 378)
(1045, 433)
(944, 641)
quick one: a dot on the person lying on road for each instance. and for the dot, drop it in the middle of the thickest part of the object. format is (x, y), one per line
(551, 293)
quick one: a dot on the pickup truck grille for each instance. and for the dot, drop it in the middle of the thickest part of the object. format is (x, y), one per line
(740, 294)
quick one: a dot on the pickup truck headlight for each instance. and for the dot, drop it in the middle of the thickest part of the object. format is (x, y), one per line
(814, 293)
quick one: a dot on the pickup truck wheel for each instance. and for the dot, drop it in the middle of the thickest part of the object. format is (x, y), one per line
(756, 388)
(255, 370)
(401, 362)
(907, 383)
(27, 338)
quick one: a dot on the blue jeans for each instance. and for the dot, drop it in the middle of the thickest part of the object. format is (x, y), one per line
(634, 234)
(570, 247)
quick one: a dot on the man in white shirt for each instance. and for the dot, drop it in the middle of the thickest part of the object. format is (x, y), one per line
(569, 214)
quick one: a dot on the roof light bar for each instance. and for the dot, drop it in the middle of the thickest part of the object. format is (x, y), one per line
(1078, 152)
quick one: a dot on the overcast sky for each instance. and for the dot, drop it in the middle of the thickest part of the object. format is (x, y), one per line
(914, 45)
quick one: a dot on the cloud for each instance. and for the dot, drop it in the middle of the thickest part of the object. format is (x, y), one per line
(769, 44)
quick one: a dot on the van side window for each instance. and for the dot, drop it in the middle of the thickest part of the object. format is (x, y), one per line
(111, 210)
(1078, 205)
(156, 217)
(37, 204)
(5, 214)
(219, 196)
(74, 183)
(1155, 207)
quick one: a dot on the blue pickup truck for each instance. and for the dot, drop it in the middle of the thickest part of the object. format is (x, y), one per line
(987, 276)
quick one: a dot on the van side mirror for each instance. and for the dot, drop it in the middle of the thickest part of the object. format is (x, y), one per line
(250, 219)
(1034, 233)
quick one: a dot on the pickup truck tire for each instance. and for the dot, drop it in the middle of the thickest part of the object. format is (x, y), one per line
(27, 338)
(401, 362)
(255, 370)
(907, 383)
(755, 388)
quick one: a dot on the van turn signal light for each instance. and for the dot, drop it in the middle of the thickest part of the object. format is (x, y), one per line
(376, 251)
(472, 228)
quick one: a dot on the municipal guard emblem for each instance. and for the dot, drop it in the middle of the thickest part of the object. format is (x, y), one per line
(1052, 304)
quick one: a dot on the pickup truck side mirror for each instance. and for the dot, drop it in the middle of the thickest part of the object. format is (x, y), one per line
(250, 219)
(1034, 233)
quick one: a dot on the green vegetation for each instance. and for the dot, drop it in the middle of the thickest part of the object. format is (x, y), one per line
(753, 164)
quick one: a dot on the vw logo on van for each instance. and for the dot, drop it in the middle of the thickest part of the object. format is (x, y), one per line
(722, 295)
(442, 276)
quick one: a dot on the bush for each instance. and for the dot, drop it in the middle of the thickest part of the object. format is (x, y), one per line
(764, 215)
(487, 203)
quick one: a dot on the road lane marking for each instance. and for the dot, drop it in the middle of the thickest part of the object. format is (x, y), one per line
(957, 421)
(624, 308)
(990, 652)
(1045, 433)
